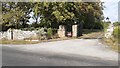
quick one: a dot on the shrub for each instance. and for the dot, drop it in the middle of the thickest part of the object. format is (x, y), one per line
(49, 33)
(105, 25)
(116, 23)
(54, 31)
(55, 36)
(32, 28)
(41, 33)
(28, 29)
(99, 26)
(116, 32)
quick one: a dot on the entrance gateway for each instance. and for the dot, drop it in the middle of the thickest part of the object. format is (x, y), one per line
(75, 31)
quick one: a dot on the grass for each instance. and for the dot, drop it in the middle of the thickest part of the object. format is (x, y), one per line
(91, 34)
(105, 25)
(17, 42)
(94, 35)
(88, 31)
(112, 43)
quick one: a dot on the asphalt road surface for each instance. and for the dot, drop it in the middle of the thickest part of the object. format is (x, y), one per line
(75, 52)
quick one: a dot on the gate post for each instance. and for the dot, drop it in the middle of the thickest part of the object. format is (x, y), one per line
(61, 31)
(74, 30)
(10, 34)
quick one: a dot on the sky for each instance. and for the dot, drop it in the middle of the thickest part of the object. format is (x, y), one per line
(111, 9)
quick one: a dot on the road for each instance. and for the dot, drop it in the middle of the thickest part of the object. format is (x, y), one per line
(75, 52)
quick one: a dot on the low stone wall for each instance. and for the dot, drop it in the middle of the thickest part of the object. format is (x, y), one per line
(17, 34)
(3, 35)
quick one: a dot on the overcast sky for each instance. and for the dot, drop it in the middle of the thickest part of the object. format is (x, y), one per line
(111, 9)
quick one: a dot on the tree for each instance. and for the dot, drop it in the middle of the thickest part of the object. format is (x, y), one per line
(94, 15)
(68, 12)
(15, 14)
(36, 11)
(26, 7)
(52, 14)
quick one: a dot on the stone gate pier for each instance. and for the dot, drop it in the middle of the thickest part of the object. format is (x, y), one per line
(61, 31)
(74, 30)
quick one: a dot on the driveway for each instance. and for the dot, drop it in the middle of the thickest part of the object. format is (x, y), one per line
(75, 52)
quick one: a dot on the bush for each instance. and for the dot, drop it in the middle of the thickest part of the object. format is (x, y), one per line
(116, 32)
(55, 36)
(54, 31)
(32, 28)
(93, 25)
(98, 25)
(105, 25)
(49, 33)
(116, 23)
(41, 33)
(28, 29)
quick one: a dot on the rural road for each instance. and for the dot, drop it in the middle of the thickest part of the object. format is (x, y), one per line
(75, 52)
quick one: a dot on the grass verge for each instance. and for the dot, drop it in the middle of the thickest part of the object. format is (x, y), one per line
(20, 42)
(17, 42)
(112, 43)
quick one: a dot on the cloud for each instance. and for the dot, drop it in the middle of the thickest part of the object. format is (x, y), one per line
(111, 9)
(110, 0)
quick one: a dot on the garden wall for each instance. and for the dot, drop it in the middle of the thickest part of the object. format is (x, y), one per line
(17, 34)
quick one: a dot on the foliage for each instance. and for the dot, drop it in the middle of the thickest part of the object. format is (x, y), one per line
(41, 33)
(95, 25)
(52, 14)
(116, 23)
(49, 33)
(15, 15)
(105, 25)
(113, 42)
(17, 42)
(68, 12)
(28, 29)
(116, 32)
(54, 31)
